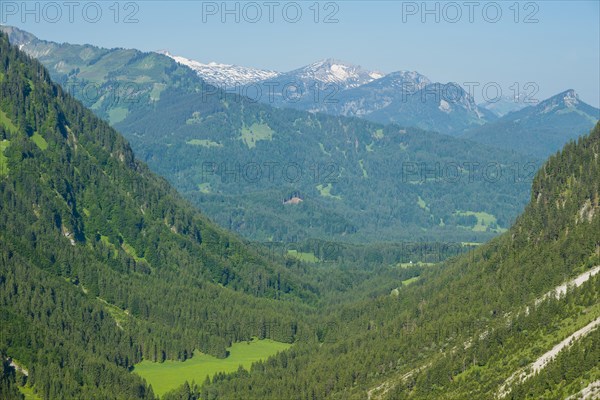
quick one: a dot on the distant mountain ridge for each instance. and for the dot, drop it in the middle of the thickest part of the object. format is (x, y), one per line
(376, 95)
(407, 98)
(331, 71)
(541, 129)
(445, 108)
(507, 104)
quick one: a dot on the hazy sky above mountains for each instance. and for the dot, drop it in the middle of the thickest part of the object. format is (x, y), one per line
(553, 44)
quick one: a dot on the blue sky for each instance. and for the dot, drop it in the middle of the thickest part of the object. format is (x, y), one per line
(553, 44)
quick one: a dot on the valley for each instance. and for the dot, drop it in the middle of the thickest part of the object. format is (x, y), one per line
(342, 160)
(241, 158)
(375, 232)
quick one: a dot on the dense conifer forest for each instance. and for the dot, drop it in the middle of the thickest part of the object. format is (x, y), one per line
(103, 264)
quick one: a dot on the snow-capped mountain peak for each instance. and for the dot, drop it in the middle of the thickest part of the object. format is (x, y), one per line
(223, 75)
(337, 72)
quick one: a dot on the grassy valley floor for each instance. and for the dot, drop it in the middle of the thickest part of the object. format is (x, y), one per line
(169, 375)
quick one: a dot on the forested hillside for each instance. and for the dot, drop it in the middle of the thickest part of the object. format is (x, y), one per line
(102, 262)
(242, 162)
(462, 330)
(104, 265)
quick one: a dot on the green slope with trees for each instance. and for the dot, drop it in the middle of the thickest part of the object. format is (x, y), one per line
(103, 265)
(465, 327)
(102, 262)
(357, 181)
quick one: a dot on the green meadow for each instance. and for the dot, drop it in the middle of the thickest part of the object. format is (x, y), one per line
(170, 374)
(410, 280)
(7, 123)
(39, 141)
(302, 256)
(3, 160)
(255, 133)
(325, 191)
(485, 221)
(28, 393)
(204, 143)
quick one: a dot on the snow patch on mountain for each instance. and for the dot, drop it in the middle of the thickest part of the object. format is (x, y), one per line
(444, 106)
(571, 99)
(224, 75)
(343, 75)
